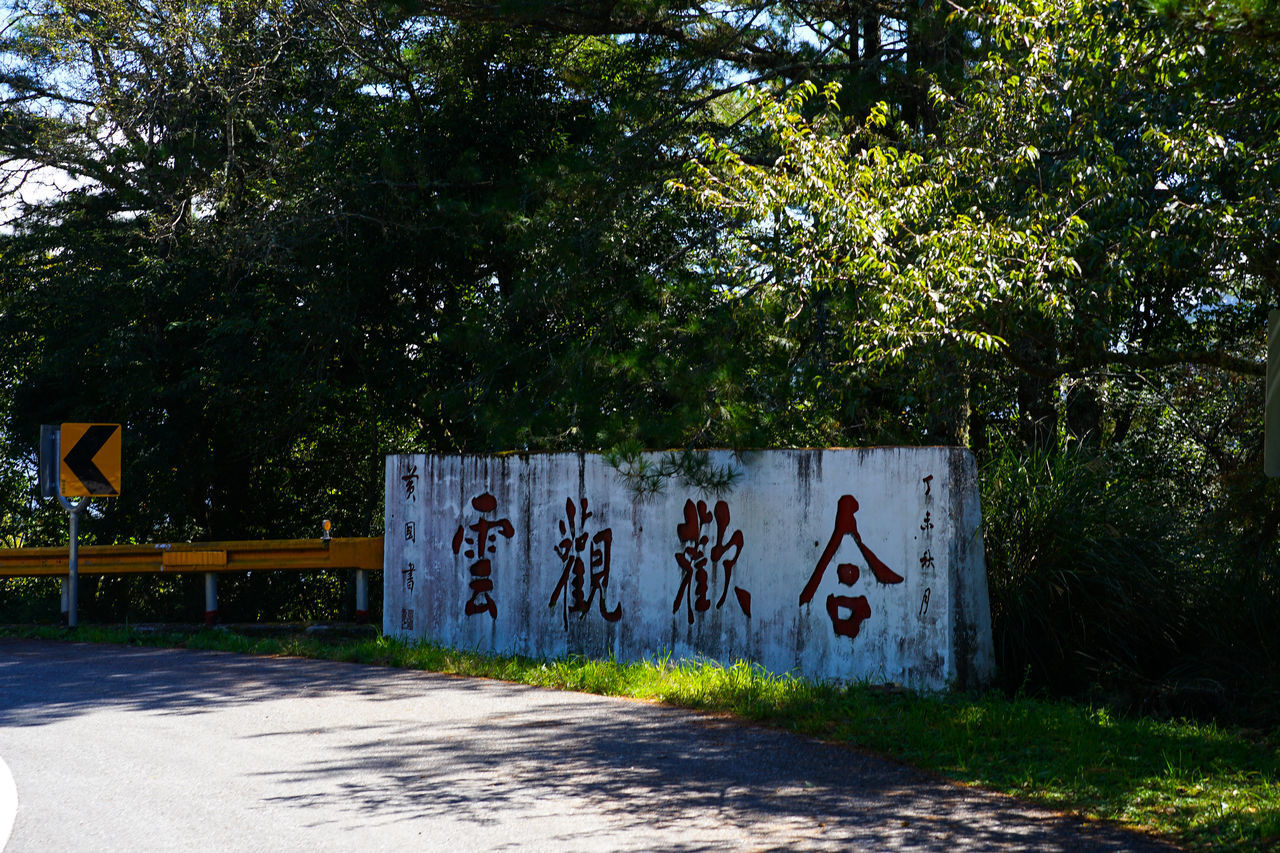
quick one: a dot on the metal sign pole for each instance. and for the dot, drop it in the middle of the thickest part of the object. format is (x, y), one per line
(73, 512)
(73, 561)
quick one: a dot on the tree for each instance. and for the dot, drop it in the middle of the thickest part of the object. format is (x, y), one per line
(312, 232)
(854, 253)
(1076, 251)
(1092, 198)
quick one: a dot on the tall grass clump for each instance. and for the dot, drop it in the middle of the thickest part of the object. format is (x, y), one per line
(1083, 590)
(1233, 557)
(1134, 580)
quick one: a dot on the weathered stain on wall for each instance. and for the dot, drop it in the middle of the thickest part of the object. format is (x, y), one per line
(859, 564)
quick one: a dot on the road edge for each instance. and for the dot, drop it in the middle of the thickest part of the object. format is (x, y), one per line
(8, 803)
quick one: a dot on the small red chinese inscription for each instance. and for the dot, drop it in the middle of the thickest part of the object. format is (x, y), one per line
(410, 480)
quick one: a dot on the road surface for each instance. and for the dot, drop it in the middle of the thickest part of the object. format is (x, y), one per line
(114, 749)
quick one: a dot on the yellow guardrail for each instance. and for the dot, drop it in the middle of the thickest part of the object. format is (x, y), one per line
(206, 558)
(203, 557)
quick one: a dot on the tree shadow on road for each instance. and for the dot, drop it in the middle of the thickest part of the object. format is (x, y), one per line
(474, 752)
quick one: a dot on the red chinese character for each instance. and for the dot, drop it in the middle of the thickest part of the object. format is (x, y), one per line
(847, 573)
(481, 546)
(693, 558)
(573, 578)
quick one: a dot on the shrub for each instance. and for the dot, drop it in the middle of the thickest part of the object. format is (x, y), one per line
(1082, 587)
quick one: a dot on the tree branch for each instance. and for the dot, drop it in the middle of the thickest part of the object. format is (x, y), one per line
(1139, 360)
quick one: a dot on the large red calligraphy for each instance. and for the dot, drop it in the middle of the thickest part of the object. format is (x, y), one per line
(486, 532)
(693, 559)
(847, 573)
(573, 579)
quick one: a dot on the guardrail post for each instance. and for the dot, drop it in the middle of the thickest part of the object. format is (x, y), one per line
(362, 596)
(210, 598)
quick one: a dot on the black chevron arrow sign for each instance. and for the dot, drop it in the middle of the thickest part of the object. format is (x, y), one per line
(91, 460)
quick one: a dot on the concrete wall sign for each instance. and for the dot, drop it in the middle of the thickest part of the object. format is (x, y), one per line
(859, 564)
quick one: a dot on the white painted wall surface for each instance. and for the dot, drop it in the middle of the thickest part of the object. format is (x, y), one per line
(917, 516)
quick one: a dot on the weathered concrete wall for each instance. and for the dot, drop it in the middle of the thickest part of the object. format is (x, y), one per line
(836, 564)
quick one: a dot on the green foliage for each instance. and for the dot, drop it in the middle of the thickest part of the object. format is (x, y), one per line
(849, 231)
(692, 469)
(1254, 19)
(29, 600)
(1113, 574)
(1097, 112)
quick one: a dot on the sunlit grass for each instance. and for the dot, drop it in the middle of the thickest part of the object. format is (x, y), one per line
(1204, 786)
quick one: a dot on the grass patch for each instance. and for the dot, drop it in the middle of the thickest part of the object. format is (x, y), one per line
(1207, 787)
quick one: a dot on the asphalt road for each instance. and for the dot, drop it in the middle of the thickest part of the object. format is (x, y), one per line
(116, 748)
